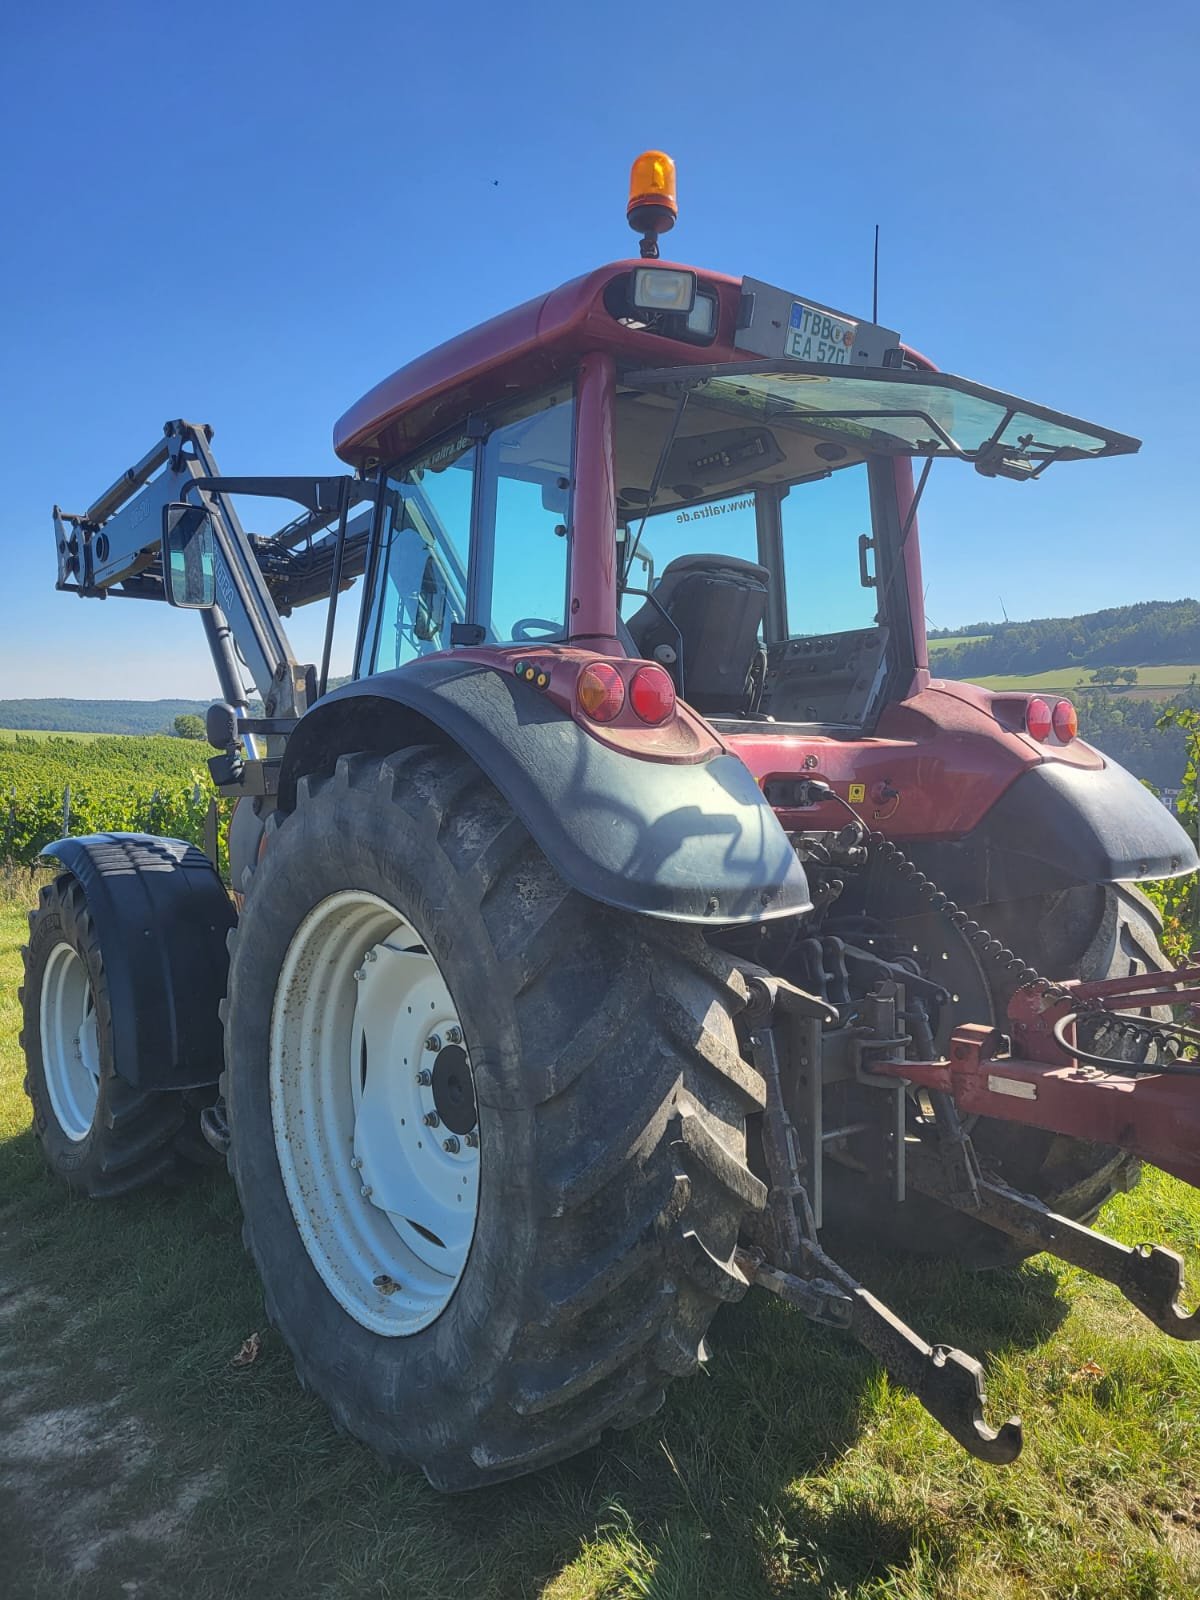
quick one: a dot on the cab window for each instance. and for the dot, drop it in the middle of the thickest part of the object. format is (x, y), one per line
(719, 527)
(421, 582)
(822, 524)
(519, 558)
(476, 531)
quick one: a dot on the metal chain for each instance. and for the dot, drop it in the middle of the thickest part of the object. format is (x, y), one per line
(1183, 1042)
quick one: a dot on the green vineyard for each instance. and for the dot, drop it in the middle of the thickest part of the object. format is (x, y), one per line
(56, 785)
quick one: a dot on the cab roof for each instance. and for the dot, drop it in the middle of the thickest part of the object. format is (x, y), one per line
(535, 343)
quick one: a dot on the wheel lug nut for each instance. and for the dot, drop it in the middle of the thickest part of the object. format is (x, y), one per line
(432, 1119)
(355, 1163)
(365, 1191)
(433, 1042)
(450, 1145)
(472, 1141)
(360, 975)
(454, 1035)
(424, 1078)
(371, 955)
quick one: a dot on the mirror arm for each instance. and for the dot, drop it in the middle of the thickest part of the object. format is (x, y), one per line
(335, 578)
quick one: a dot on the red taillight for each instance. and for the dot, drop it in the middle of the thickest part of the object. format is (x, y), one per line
(1037, 719)
(652, 694)
(601, 691)
(1066, 721)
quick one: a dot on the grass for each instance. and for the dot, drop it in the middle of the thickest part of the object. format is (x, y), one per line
(135, 1460)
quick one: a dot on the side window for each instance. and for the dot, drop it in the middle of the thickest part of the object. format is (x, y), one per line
(823, 522)
(520, 567)
(421, 581)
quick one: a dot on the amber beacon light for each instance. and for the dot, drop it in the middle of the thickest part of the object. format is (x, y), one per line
(652, 207)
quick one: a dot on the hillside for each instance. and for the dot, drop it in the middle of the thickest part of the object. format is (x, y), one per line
(1155, 633)
(98, 716)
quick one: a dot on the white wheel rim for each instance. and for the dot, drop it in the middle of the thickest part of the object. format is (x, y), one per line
(70, 1041)
(385, 1201)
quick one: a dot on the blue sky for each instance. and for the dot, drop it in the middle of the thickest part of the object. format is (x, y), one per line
(248, 214)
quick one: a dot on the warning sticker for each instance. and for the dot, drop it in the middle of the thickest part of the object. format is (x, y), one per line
(858, 793)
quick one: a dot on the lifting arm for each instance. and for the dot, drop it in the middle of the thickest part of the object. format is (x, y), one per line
(115, 548)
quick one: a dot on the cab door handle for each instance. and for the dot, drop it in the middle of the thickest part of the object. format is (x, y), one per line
(865, 543)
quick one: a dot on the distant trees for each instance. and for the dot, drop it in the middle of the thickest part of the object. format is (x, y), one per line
(1147, 736)
(1128, 675)
(1158, 632)
(189, 727)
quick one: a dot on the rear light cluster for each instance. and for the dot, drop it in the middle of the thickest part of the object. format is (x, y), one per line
(602, 693)
(1041, 721)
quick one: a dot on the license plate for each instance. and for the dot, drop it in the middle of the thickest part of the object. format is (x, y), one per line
(816, 336)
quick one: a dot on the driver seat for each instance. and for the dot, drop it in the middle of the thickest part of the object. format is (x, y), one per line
(716, 605)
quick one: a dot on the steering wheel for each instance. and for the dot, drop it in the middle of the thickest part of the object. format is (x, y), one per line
(521, 627)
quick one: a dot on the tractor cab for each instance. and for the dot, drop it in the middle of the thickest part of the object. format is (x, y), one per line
(661, 464)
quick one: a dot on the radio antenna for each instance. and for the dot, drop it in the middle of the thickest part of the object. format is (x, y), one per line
(875, 280)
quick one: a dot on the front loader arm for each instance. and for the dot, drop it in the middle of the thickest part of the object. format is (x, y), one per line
(115, 548)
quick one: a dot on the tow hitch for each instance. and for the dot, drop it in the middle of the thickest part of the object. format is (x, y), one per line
(1149, 1108)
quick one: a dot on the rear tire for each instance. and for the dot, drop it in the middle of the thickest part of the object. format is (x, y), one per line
(97, 1132)
(1089, 932)
(612, 1097)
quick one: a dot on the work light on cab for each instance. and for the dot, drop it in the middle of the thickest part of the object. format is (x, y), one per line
(652, 207)
(600, 691)
(652, 694)
(1038, 721)
(1065, 719)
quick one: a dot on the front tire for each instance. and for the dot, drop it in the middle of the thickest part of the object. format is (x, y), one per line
(611, 1158)
(98, 1133)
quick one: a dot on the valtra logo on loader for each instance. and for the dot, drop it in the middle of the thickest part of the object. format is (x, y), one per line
(642, 904)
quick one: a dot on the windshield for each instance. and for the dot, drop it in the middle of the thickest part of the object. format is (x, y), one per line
(893, 411)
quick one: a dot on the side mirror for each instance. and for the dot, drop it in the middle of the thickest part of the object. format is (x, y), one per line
(189, 556)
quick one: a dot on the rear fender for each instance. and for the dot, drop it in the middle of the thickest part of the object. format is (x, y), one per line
(687, 842)
(1058, 826)
(161, 916)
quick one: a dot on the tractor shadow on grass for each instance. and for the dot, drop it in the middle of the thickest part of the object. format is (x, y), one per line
(721, 1492)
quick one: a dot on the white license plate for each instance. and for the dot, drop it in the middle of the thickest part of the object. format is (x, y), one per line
(814, 335)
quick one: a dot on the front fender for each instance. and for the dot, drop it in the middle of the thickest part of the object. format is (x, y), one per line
(685, 842)
(161, 917)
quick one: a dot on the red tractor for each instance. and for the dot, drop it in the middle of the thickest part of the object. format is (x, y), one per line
(642, 906)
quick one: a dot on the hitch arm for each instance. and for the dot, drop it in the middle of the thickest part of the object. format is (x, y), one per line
(1149, 1276)
(947, 1382)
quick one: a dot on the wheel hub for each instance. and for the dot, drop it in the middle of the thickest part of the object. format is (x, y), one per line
(454, 1089)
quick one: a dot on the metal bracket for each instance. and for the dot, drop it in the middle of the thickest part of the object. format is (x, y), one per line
(881, 1036)
(948, 1383)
